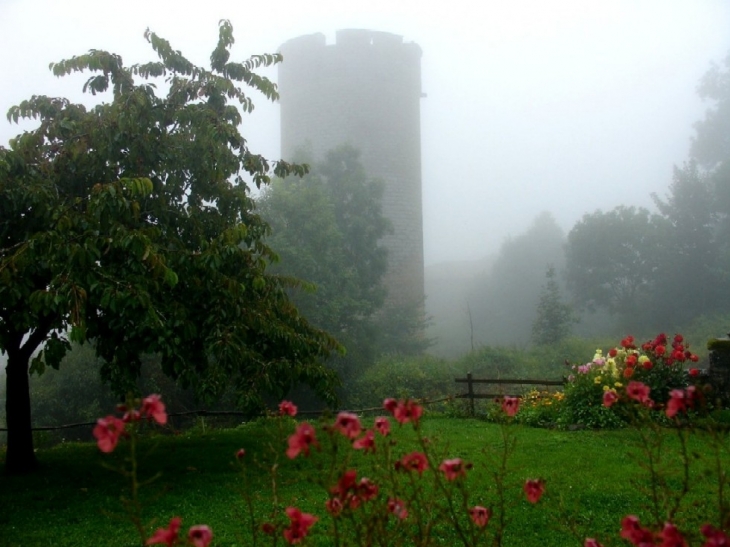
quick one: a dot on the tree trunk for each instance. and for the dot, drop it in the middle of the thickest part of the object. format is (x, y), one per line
(20, 456)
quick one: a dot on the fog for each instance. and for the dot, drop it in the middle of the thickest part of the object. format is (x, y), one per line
(559, 106)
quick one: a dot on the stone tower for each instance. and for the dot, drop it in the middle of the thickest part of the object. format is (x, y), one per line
(365, 91)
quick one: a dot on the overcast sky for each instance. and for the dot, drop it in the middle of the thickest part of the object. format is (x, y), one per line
(565, 106)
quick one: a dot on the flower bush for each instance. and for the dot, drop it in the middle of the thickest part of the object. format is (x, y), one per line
(657, 364)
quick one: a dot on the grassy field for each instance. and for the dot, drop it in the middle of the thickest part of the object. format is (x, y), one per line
(593, 479)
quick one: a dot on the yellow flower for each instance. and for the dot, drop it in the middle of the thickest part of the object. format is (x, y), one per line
(643, 359)
(606, 388)
(618, 384)
(597, 380)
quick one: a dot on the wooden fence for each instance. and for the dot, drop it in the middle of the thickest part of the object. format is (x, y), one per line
(471, 394)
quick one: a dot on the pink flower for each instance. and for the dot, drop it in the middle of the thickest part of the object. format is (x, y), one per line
(287, 408)
(453, 469)
(638, 392)
(398, 508)
(480, 515)
(382, 425)
(715, 537)
(415, 461)
(609, 398)
(366, 489)
(671, 537)
(632, 530)
(510, 405)
(366, 442)
(200, 535)
(404, 411)
(345, 484)
(333, 506)
(679, 401)
(168, 535)
(154, 408)
(107, 432)
(348, 424)
(301, 440)
(299, 525)
(590, 542)
(534, 489)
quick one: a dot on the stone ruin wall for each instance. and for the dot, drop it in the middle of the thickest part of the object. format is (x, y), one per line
(364, 90)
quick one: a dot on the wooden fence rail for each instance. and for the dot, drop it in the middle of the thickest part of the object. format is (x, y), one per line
(471, 395)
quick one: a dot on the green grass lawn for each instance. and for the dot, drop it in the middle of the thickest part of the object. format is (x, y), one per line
(593, 479)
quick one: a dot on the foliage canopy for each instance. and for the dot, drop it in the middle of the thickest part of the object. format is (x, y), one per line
(131, 224)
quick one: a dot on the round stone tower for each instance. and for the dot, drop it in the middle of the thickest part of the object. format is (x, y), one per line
(364, 91)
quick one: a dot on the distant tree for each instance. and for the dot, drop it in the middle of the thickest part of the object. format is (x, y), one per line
(131, 224)
(688, 280)
(326, 228)
(503, 301)
(555, 318)
(611, 261)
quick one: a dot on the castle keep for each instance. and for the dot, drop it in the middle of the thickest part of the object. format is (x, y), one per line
(364, 91)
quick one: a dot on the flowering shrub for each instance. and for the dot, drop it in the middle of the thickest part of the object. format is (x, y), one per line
(657, 364)
(414, 492)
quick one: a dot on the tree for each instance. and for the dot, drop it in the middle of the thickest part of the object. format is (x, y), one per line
(131, 224)
(555, 318)
(611, 262)
(688, 280)
(503, 301)
(326, 229)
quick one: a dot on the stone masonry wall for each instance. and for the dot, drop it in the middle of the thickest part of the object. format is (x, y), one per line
(365, 91)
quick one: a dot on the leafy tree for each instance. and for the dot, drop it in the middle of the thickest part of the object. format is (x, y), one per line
(555, 318)
(325, 229)
(131, 224)
(503, 301)
(688, 282)
(611, 261)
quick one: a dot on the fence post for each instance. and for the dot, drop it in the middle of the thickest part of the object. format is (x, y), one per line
(471, 393)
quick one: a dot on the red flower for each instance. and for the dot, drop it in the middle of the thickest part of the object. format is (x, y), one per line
(632, 530)
(613, 352)
(715, 537)
(333, 506)
(398, 508)
(366, 442)
(404, 411)
(660, 350)
(366, 489)
(287, 408)
(694, 358)
(480, 515)
(348, 424)
(154, 408)
(168, 535)
(107, 432)
(671, 537)
(680, 400)
(678, 338)
(268, 528)
(301, 440)
(241, 453)
(534, 489)
(345, 484)
(631, 360)
(510, 405)
(628, 372)
(382, 425)
(694, 371)
(609, 397)
(200, 536)
(590, 542)
(453, 469)
(638, 392)
(299, 525)
(628, 343)
(415, 461)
